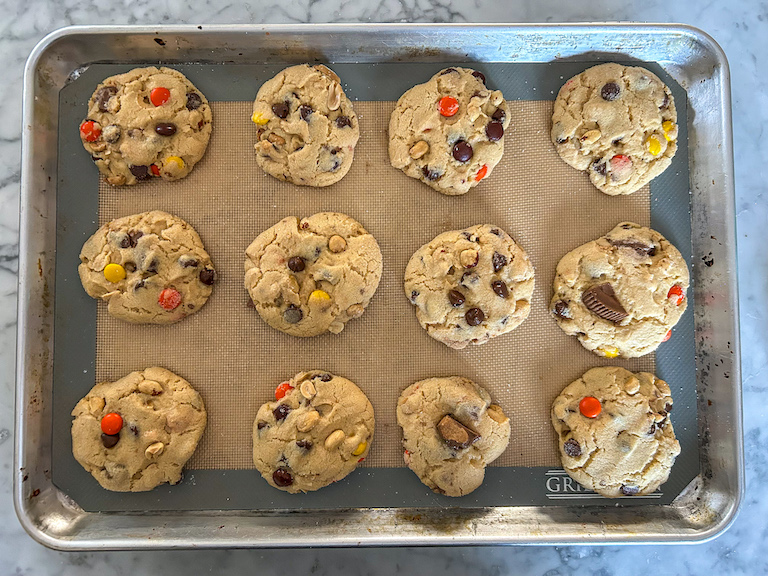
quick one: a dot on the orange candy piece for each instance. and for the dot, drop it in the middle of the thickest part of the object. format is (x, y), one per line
(155, 169)
(159, 96)
(667, 336)
(448, 106)
(677, 292)
(111, 423)
(169, 299)
(481, 173)
(590, 407)
(89, 131)
(282, 390)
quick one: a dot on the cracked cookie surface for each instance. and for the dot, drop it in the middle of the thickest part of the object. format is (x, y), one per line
(449, 131)
(621, 294)
(149, 268)
(618, 123)
(629, 447)
(306, 127)
(311, 276)
(316, 432)
(470, 285)
(146, 123)
(451, 432)
(162, 419)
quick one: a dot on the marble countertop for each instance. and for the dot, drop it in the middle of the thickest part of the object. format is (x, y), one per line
(740, 26)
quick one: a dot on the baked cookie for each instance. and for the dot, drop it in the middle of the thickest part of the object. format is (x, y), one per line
(149, 122)
(138, 432)
(470, 285)
(307, 129)
(316, 432)
(618, 123)
(150, 268)
(311, 276)
(451, 432)
(449, 131)
(621, 294)
(614, 433)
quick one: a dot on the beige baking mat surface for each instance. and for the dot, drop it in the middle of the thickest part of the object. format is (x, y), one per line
(235, 360)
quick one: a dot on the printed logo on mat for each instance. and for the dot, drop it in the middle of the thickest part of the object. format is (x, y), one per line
(560, 486)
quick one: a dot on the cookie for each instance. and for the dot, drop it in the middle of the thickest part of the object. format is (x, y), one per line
(614, 432)
(146, 123)
(150, 268)
(621, 294)
(307, 129)
(451, 432)
(470, 285)
(617, 123)
(316, 432)
(311, 276)
(138, 432)
(449, 131)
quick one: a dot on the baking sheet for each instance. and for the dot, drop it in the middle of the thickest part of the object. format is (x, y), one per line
(229, 201)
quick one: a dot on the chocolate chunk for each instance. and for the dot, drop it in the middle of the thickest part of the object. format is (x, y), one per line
(165, 128)
(282, 477)
(125, 242)
(494, 130)
(296, 264)
(343, 122)
(629, 490)
(280, 109)
(499, 261)
(208, 276)
(152, 268)
(306, 444)
(414, 295)
(462, 151)
(496, 232)
(129, 267)
(293, 315)
(134, 236)
(498, 115)
(474, 316)
(132, 427)
(305, 110)
(599, 166)
(601, 300)
(140, 172)
(610, 91)
(572, 448)
(455, 434)
(500, 288)
(668, 407)
(260, 424)
(103, 96)
(194, 101)
(561, 309)
(109, 440)
(641, 248)
(456, 298)
(616, 142)
(469, 277)
(281, 411)
(111, 133)
(479, 75)
(188, 262)
(448, 71)
(652, 429)
(139, 285)
(325, 377)
(430, 174)
(664, 102)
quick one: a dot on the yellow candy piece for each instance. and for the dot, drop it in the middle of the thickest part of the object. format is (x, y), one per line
(320, 295)
(179, 161)
(114, 273)
(611, 352)
(259, 119)
(654, 146)
(360, 449)
(668, 126)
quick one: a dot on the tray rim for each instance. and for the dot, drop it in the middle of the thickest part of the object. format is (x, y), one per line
(47, 516)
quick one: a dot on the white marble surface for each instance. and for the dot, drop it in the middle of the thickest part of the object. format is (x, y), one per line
(740, 26)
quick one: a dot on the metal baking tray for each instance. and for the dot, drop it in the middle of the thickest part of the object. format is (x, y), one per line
(704, 509)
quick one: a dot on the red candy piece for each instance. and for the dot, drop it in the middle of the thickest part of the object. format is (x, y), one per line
(155, 169)
(159, 96)
(111, 423)
(590, 407)
(481, 173)
(169, 299)
(361, 459)
(448, 106)
(282, 390)
(667, 336)
(677, 292)
(90, 131)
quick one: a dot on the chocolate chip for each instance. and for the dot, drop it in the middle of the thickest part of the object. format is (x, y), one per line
(296, 264)
(498, 261)
(610, 91)
(194, 101)
(665, 102)
(561, 309)
(468, 277)
(260, 424)
(152, 268)
(305, 110)
(165, 128)
(129, 267)
(208, 276)
(629, 490)
(139, 285)
(652, 429)
(188, 262)
(125, 242)
(132, 427)
(641, 248)
(474, 316)
(343, 121)
(414, 295)
(572, 448)
(430, 174)
(109, 440)
(668, 407)
(306, 444)
(496, 232)
(293, 315)
(103, 96)
(281, 477)
(462, 151)
(616, 142)
(498, 115)
(325, 377)
(448, 71)
(494, 130)
(479, 75)
(500, 287)
(599, 166)
(281, 411)
(455, 434)
(140, 172)
(111, 133)
(601, 300)
(280, 109)
(456, 298)
(134, 236)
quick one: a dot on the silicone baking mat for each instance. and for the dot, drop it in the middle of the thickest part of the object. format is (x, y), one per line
(235, 360)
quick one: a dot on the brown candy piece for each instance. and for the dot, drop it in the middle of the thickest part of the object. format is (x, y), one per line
(455, 434)
(601, 300)
(110, 440)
